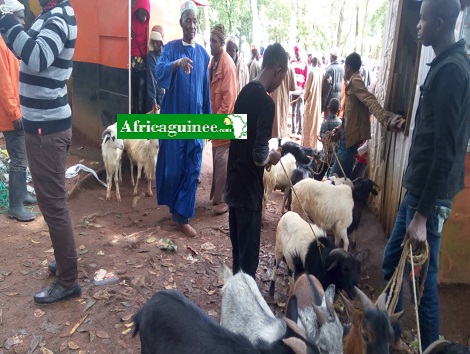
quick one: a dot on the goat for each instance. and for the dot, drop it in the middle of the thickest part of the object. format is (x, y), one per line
(293, 237)
(244, 311)
(445, 347)
(363, 187)
(170, 323)
(328, 206)
(300, 173)
(276, 178)
(302, 154)
(111, 149)
(142, 152)
(313, 254)
(371, 331)
(316, 314)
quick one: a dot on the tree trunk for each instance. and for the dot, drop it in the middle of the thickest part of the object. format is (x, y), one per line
(357, 26)
(366, 15)
(340, 24)
(256, 29)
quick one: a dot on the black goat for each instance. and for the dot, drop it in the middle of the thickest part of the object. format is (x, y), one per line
(170, 323)
(300, 153)
(363, 187)
(330, 265)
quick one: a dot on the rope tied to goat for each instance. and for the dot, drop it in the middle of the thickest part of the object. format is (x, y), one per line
(417, 259)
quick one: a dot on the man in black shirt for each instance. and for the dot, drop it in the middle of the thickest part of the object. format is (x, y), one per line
(247, 158)
(436, 163)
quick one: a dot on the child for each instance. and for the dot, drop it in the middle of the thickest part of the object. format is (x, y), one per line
(331, 122)
(247, 158)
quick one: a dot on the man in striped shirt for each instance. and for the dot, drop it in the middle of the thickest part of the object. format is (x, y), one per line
(46, 52)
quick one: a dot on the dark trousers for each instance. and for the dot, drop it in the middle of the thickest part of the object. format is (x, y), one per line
(245, 231)
(46, 156)
(138, 92)
(347, 156)
(14, 141)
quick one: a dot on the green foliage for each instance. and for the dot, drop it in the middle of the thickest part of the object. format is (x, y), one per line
(235, 15)
(275, 17)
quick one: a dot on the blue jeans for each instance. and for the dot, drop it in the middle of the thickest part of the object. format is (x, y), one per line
(429, 305)
(346, 156)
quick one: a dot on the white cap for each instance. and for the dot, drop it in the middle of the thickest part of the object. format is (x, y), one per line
(14, 5)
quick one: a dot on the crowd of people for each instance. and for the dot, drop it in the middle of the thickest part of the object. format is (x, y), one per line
(180, 77)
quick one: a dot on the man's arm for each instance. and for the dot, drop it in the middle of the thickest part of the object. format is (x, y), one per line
(326, 89)
(308, 87)
(447, 95)
(261, 153)
(228, 91)
(357, 88)
(39, 53)
(151, 79)
(7, 99)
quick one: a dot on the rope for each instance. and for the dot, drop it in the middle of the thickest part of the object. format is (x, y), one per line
(319, 244)
(420, 258)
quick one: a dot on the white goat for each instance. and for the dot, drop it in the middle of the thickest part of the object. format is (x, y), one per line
(293, 237)
(143, 153)
(111, 148)
(328, 206)
(277, 179)
(244, 311)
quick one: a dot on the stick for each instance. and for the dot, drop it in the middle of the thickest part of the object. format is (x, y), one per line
(416, 299)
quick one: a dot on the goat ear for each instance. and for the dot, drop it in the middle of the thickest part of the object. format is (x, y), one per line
(296, 344)
(395, 317)
(374, 192)
(292, 312)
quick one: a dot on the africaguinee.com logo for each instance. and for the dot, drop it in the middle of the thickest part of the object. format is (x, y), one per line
(182, 126)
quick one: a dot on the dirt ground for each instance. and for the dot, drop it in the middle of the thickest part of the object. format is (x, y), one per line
(116, 237)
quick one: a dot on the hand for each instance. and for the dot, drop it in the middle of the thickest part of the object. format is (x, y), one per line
(17, 124)
(335, 134)
(417, 230)
(274, 157)
(185, 64)
(396, 124)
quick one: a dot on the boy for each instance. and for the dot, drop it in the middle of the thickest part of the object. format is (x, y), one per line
(331, 122)
(247, 158)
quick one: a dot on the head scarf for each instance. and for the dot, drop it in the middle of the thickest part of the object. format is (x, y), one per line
(219, 31)
(188, 5)
(233, 39)
(155, 36)
(14, 5)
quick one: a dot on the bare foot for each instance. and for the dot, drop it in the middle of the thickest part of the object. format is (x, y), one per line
(188, 230)
(220, 208)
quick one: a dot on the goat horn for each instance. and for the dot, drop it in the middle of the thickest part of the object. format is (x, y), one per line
(366, 302)
(380, 303)
(295, 328)
(321, 316)
(350, 310)
(339, 252)
(106, 132)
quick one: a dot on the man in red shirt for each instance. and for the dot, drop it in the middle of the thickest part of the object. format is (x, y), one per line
(300, 69)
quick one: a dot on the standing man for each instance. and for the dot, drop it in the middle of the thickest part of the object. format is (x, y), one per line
(332, 80)
(243, 76)
(46, 52)
(359, 104)
(224, 89)
(154, 91)
(300, 69)
(436, 162)
(182, 72)
(247, 159)
(11, 125)
(312, 105)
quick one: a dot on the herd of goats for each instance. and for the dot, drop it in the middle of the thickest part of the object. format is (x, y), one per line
(170, 323)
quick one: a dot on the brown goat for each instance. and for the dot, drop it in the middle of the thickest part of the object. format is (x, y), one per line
(371, 330)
